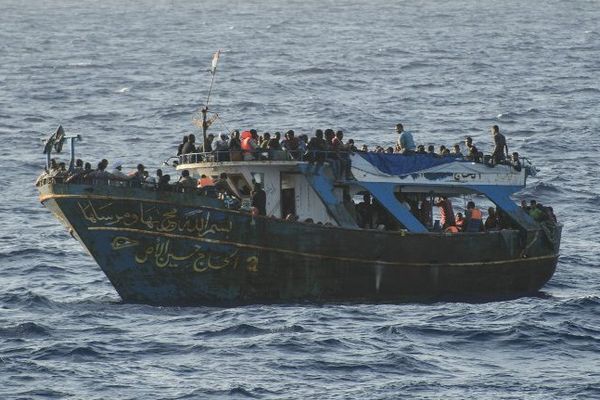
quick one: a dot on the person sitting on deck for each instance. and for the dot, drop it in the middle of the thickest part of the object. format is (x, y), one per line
(491, 222)
(100, 172)
(421, 149)
(87, 169)
(137, 176)
(405, 140)
(205, 181)
(316, 150)
(190, 145)
(259, 199)
(220, 147)
(472, 152)
(474, 218)
(365, 212)
(291, 145)
(515, 162)
(446, 212)
(181, 145)
(185, 181)
(499, 155)
(163, 182)
(431, 150)
(248, 145)
(118, 173)
(456, 153)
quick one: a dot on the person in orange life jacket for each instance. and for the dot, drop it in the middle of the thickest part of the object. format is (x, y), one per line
(446, 212)
(452, 229)
(205, 181)
(474, 218)
(248, 145)
(460, 221)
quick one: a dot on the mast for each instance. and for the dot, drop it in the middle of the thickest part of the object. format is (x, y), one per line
(204, 110)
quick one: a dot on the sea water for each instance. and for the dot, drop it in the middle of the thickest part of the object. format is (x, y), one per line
(130, 76)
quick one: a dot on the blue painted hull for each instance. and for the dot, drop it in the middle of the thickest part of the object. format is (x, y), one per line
(168, 248)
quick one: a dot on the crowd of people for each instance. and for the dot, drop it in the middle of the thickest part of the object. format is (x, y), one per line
(329, 145)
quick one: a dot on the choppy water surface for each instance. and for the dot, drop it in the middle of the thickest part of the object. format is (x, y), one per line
(129, 78)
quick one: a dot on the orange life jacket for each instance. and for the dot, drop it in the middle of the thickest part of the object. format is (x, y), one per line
(204, 182)
(247, 146)
(476, 214)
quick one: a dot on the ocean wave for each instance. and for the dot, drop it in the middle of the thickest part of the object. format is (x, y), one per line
(72, 352)
(25, 329)
(236, 330)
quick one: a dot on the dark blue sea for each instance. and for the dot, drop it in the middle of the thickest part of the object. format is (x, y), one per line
(130, 76)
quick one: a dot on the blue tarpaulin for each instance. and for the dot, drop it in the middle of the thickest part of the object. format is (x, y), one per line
(400, 164)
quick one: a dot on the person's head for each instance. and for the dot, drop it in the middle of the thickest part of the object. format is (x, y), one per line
(185, 173)
(166, 178)
(185, 138)
(278, 136)
(468, 140)
(79, 163)
(445, 152)
(389, 150)
(254, 134)
(459, 216)
(101, 166)
(224, 136)
(289, 134)
(351, 142)
(523, 204)
(223, 175)
(267, 136)
(442, 148)
(159, 173)
(339, 135)
(140, 168)
(87, 166)
(329, 134)
(62, 166)
(104, 162)
(236, 134)
(53, 163)
(491, 211)
(430, 149)
(257, 186)
(145, 174)
(202, 176)
(364, 148)
(470, 204)
(210, 137)
(319, 133)
(399, 128)
(533, 203)
(495, 129)
(457, 148)
(191, 138)
(421, 148)
(367, 198)
(515, 156)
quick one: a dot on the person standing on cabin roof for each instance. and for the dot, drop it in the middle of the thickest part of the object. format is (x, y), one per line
(446, 212)
(406, 142)
(500, 148)
(259, 199)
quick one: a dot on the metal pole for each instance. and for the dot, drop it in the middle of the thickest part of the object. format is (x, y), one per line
(204, 126)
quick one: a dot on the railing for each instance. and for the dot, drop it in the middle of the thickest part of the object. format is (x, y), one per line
(261, 155)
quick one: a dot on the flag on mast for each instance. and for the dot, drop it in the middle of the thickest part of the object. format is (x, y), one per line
(215, 60)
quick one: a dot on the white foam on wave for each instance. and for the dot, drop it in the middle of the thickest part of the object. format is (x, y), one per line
(123, 90)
